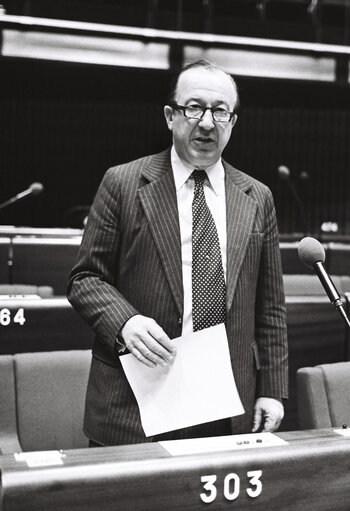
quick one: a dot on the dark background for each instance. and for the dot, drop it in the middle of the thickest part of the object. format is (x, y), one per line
(64, 124)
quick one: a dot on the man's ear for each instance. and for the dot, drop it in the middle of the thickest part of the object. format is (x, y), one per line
(234, 120)
(168, 114)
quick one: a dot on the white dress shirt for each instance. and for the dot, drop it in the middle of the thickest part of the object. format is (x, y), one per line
(214, 190)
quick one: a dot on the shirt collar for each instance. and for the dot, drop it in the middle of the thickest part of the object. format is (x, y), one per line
(182, 171)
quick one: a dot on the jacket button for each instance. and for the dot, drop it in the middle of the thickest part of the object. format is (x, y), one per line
(180, 321)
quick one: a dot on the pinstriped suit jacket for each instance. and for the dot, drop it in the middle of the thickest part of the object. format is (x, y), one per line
(130, 262)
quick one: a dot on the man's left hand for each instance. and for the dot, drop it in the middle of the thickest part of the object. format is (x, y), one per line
(268, 413)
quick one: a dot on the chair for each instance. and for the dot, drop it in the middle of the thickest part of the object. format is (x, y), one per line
(323, 395)
(42, 398)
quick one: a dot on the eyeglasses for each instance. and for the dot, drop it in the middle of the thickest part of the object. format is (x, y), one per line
(197, 112)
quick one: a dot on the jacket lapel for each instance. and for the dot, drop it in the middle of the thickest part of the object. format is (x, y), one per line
(159, 202)
(240, 216)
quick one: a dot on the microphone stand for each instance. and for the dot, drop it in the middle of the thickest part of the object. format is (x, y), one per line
(17, 197)
(331, 291)
(284, 174)
(300, 206)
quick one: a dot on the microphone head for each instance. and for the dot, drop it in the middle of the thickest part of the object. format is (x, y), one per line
(311, 251)
(304, 176)
(36, 188)
(283, 172)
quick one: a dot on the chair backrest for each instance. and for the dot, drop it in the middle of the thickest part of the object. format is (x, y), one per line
(323, 395)
(42, 400)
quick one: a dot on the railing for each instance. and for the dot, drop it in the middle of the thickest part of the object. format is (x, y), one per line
(116, 45)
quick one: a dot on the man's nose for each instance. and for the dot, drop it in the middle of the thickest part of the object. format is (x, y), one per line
(207, 121)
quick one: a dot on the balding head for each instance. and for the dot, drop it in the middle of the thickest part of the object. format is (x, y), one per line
(208, 66)
(200, 138)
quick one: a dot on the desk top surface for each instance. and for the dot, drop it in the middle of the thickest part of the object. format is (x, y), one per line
(12, 230)
(310, 471)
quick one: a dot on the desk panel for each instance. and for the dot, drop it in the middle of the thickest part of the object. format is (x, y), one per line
(47, 258)
(290, 259)
(339, 258)
(4, 254)
(44, 261)
(46, 324)
(310, 472)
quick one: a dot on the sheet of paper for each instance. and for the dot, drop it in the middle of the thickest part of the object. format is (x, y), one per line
(342, 431)
(198, 387)
(41, 458)
(221, 443)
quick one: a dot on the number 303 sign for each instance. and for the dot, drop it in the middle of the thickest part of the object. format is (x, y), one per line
(231, 486)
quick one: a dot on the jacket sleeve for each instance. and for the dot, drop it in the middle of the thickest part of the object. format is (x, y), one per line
(271, 326)
(91, 285)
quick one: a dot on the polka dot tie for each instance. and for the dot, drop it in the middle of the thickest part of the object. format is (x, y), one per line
(208, 283)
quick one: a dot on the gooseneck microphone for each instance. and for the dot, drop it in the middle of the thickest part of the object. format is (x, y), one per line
(285, 174)
(34, 189)
(312, 254)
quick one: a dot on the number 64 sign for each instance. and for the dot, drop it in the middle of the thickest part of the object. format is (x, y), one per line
(6, 317)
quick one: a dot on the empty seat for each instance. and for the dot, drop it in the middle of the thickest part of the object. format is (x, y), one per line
(323, 395)
(42, 397)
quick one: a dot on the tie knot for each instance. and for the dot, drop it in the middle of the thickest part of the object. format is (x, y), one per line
(199, 176)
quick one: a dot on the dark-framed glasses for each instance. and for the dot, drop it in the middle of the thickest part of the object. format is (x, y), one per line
(197, 112)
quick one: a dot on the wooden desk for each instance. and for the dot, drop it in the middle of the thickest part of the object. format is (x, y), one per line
(46, 257)
(42, 257)
(45, 232)
(339, 258)
(44, 324)
(311, 472)
(290, 260)
(4, 252)
(44, 261)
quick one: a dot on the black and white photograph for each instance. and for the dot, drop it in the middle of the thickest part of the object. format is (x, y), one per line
(174, 255)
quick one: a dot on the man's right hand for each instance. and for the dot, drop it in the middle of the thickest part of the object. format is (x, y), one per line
(148, 342)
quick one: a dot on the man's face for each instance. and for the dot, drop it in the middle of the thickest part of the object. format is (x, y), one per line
(200, 142)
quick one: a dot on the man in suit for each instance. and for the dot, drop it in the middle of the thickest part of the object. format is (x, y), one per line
(134, 280)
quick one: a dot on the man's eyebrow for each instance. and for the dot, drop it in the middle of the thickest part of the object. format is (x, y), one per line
(194, 100)
(201, 102)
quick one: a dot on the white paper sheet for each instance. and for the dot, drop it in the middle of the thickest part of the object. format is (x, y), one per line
(198, 387)
(41, 458)
(342, 431)
(221, 443)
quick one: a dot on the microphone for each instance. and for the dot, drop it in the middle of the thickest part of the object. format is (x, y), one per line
(34, 189)
(312, 254)
(304, 176)
(284, 174)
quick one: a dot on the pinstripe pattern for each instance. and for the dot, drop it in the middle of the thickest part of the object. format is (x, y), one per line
(130, 262)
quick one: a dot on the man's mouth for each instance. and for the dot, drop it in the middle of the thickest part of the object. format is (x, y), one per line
(204, 140)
